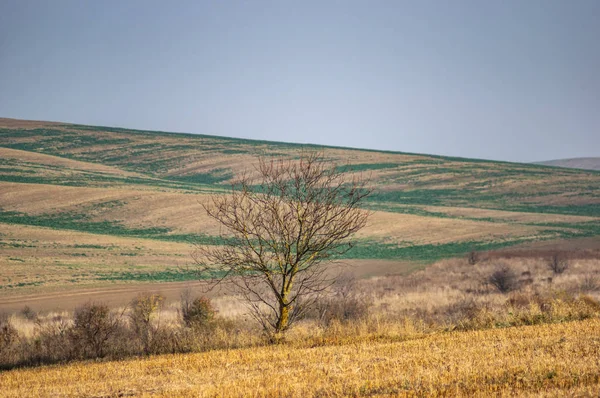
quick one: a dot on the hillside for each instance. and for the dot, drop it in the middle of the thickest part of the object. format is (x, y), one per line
(575, 163)
(88, 206)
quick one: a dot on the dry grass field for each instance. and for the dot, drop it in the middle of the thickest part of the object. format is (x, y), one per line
(545, 360)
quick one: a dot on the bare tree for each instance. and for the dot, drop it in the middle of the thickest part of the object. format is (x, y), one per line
(143, 309)
(504, 279)
(557, 264)
(282, 228)
(472, 257)
(93, 326)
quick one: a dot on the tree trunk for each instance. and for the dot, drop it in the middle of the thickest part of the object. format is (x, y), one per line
(282, 322)
(284, 313)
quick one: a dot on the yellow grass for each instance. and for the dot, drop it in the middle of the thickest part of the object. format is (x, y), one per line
(546, 360)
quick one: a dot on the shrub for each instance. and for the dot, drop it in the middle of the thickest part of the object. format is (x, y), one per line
(460, 311)
(53, 342)
(329, 309)
(345, 304)
(143, 310)
(590, 283)
(197, 312)
(93, 326)
(473, 257)
(29, 314)
(504, 279)
(8, 334)
(557, 264)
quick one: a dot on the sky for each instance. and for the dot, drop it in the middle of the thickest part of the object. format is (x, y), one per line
(506, 80)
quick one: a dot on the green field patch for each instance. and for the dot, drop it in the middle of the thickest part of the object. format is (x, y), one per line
(509, 201)
(16, 245)
(428, 253)
(172, 275)
(86, 179)
(233, 151)
(91, 140)
(216, 176)
(353, 168)
(415, 196)
(21, 284)
(408, 209)
(16, 170)
(572, 230)
(80, 222)
(592, 209)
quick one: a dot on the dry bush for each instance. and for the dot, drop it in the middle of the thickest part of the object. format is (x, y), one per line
(504, 279)
(590, 283)
(53, 340)
(143, 311)
(8, 335)
(48, 342)
(93, 326)
(473, 257)
(534, 309)
(95, 332)
(332, 308)
(558, 264)
(29, 314)
(459, 311)
(345, 303)
(373, 328)
(197, 312)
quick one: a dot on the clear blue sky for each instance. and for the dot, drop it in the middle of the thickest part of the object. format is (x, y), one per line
(512, 80)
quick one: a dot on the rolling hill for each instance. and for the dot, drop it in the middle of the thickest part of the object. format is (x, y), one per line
(575, 163)
(90, 206)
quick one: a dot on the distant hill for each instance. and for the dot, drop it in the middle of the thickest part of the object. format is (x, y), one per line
(574, 163)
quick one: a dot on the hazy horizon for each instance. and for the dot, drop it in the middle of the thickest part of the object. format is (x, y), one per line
(512, 81)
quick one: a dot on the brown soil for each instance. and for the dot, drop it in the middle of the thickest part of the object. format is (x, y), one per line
(120, 295)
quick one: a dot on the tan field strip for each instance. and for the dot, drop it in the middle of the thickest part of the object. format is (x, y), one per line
(552, 360)
(184, 214)
(145, 208)
(416, 229)
(42, 159)
(115, 297)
